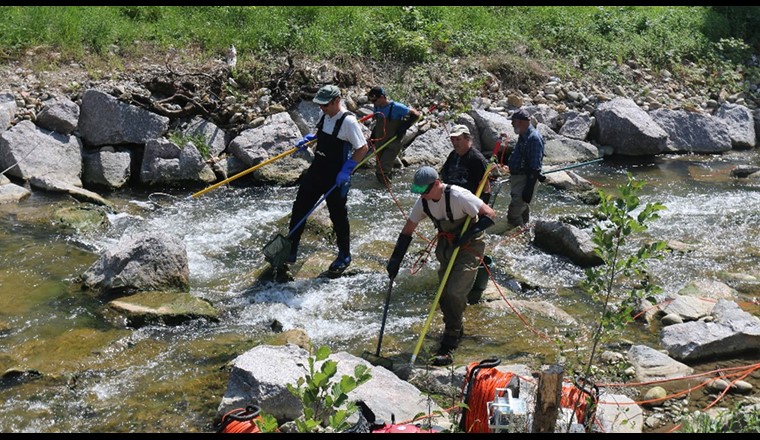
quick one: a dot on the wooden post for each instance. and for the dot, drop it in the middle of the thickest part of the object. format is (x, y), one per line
(547, 399)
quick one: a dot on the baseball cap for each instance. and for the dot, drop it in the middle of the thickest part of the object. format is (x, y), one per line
(459, 130)
(375, 92)
(521, 115)
(326, 94)
(423, 178)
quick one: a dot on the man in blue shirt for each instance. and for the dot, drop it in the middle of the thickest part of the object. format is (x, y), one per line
(392, 118)
(524, 168)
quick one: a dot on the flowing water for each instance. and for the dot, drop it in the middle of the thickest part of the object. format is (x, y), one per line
(73, 370)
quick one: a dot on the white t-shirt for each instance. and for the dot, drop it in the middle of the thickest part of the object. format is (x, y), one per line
(463, 203)
(350, 131)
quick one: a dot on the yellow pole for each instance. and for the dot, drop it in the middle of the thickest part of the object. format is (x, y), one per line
(377, 150)
(451, 262)
(249, 170)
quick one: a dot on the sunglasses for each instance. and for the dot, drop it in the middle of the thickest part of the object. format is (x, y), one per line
(326, 105)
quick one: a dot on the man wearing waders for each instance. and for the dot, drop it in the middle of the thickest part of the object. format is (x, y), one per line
(392, 118)
(524, 168)
(340, 146)
(448, 206)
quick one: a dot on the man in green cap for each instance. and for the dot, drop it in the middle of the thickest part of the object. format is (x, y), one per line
(448, 206)
(340, 147)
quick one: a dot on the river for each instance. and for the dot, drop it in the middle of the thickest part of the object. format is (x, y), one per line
(98, 376)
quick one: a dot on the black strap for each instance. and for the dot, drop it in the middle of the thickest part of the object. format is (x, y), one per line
(447, 198)
(447, 193)
(338, 124)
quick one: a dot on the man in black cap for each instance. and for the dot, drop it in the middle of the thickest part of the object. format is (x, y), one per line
(448, 206)
(392, 118)
(340, 146)
(524, 168)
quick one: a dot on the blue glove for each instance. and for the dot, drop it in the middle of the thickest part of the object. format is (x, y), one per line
(306, 139)
(344, 176)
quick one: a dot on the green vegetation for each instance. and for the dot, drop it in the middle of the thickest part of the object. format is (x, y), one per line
(199, 140)
(571, 42)
(323, 399)
(744, 417)
(620, 283)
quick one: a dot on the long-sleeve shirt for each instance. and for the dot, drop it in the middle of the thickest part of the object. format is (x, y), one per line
(528, 154)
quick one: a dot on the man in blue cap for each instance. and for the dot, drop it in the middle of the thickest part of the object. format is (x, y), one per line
(340, 147)
(448, 206)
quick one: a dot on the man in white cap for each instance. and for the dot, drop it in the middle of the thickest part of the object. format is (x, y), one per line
(448, 206)
(340, 146)
(465, 166)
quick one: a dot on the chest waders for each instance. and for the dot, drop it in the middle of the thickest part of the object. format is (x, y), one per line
(453, 300)
(329, 156)
(386, 158)
(445, 360)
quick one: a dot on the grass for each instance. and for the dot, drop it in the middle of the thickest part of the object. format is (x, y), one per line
(709, 46)
(582, 36)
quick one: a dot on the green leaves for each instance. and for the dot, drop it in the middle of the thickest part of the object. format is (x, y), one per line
(621, 281)
(323, 398)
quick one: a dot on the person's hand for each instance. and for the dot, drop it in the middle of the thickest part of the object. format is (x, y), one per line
(344, 176)
(303, 143)
(394, 263)
(393, 266)
(481, 225)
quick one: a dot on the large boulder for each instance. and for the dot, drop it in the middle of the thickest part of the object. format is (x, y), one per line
(628, 129)
(140, 262)
(104, 120)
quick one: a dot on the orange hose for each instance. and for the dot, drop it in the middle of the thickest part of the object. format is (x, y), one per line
(482, 390)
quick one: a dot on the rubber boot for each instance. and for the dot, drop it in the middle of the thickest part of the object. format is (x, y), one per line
(343, 260)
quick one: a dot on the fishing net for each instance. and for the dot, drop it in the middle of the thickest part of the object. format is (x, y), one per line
(162, 200)
(277, 250)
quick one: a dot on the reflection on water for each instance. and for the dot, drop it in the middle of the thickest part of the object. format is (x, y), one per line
(96, 378)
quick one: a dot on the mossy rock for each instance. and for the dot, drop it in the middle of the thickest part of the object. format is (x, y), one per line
(81, 218)
(158, 307)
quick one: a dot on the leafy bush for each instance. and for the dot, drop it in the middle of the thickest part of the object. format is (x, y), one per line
(324, 399)
(199, 140)
(620, 282)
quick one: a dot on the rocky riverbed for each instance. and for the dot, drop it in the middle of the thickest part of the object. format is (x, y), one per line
(209, 89)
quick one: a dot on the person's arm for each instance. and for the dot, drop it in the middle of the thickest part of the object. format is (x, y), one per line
(487, 211)
(352, 132)
(399, 251)
(486, 219)
(409, 227)
(359, 153)
(535, 152)
(535, 158)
